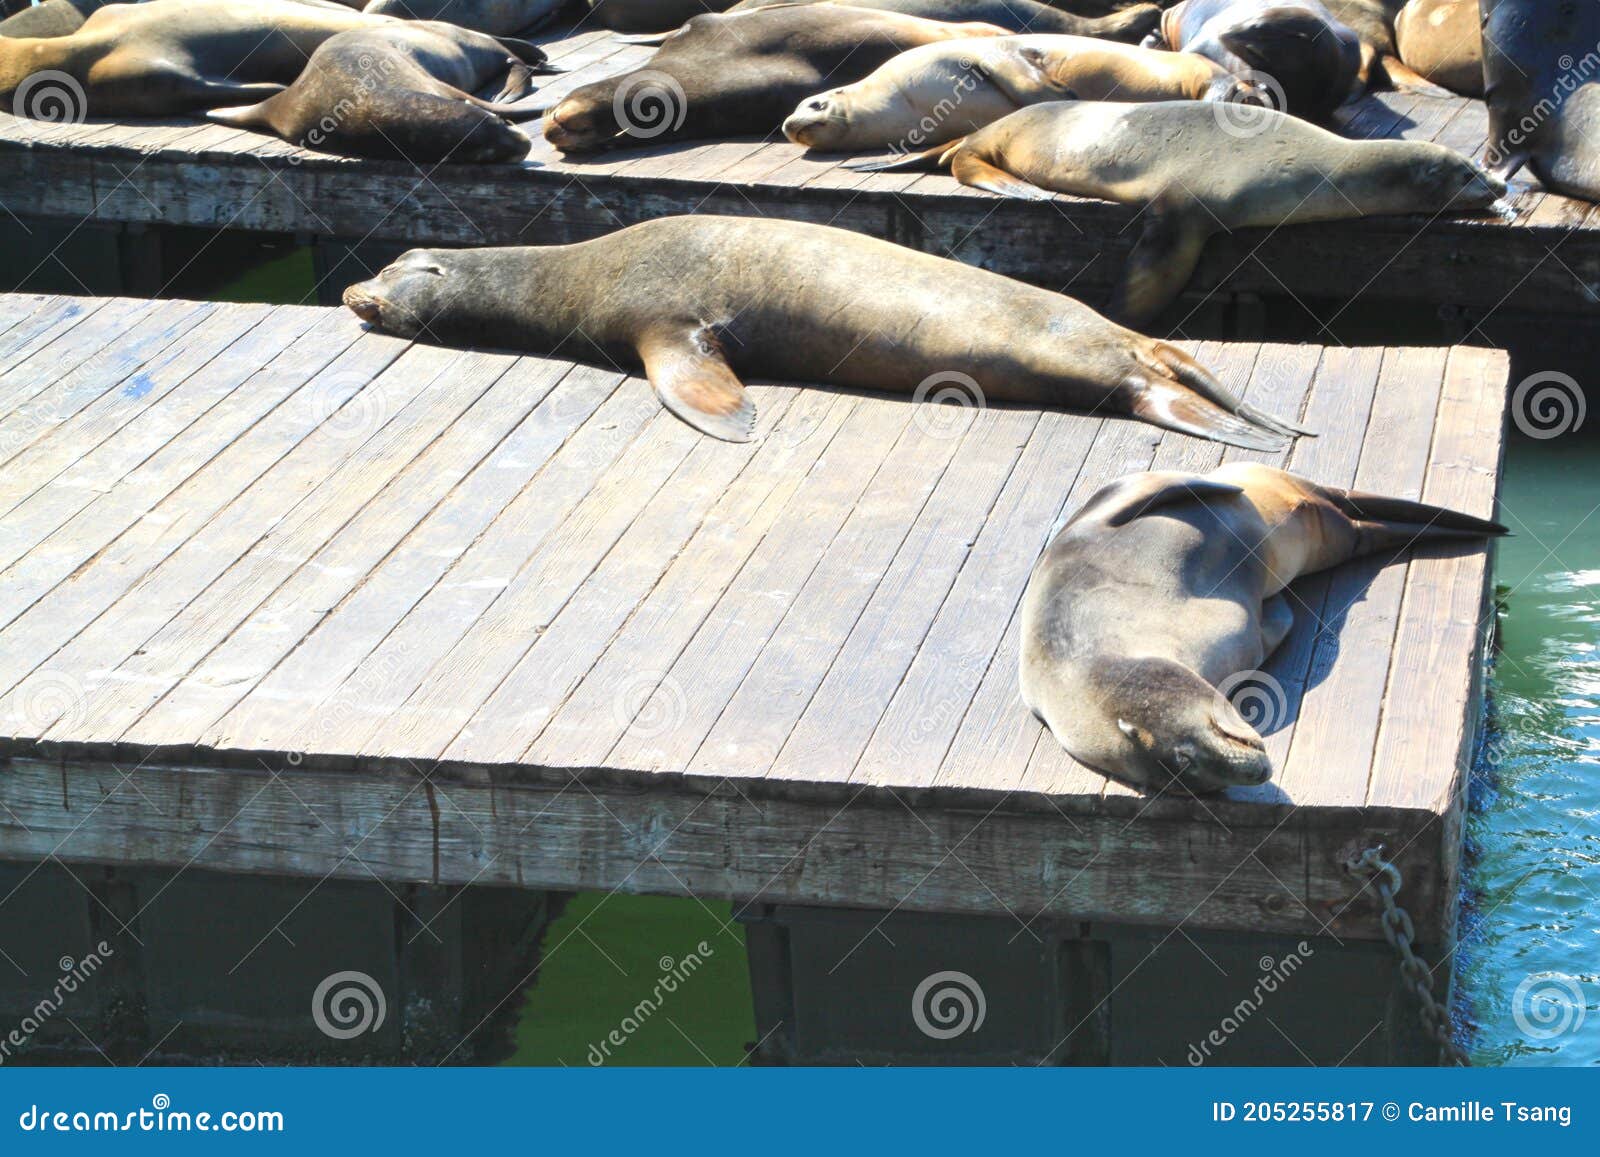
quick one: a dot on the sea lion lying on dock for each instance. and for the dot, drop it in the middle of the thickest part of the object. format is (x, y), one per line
(1544, 108)
(1296, 45)
(1165, 586)
(175, 56)
(1130, 25)
(650, 15)
(699, 300)
(1442, 41)
(739, 73)
(942, 91)
(1198, 172)
(496, 17)
(403, 91)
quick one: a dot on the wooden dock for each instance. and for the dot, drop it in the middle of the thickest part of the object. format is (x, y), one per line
(279, 595)
(1546, 261)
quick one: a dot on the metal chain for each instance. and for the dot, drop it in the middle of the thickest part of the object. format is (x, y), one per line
(1399, 931)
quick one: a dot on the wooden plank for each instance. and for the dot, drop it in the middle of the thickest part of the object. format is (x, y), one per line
(61, 349)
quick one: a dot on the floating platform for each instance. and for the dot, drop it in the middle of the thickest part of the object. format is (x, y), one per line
(279, 595)
(1546, 260)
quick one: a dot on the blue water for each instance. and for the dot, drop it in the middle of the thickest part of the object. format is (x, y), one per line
(1529, 962)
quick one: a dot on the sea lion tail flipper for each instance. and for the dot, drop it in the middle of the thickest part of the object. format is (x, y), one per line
(529, 54)
(970, 169)
(1395, 73)
(1174, 407)
(245, 116)
(1203, 382)
(927, 159)
(646, 38)
(693, 380)
(1385, 523)
(1161, 264)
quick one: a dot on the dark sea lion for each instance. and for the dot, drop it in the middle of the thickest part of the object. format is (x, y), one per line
(943, 91)
(1166, 586)
(1130, 24)
(738, 73)
(497, 17)
(1541, 61)
(698, 300)
(52, 18)
(165, 57)
(403, 91)
(651, 15)
(1202, 169)
(1442, 41)
(1309, 55)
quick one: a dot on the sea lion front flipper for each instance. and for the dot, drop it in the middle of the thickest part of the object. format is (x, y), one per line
(693, 380)
(1127, 498)
(1021, 76)
(1161, 264)
(971, 169)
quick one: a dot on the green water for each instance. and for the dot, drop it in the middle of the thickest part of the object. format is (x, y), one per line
(1531, 945)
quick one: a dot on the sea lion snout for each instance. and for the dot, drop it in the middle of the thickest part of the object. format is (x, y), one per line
(575, 125)
(810, 123)
(361, 301)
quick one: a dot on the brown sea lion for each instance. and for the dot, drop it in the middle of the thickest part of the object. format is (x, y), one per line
(650, 15)
(1442, 41)
(497, 17)
(1541, 59)
(174, 56)
(942, 91)
(738, 73)
(403, 91)
(1167, 587)
(1202, 169)
(1295, 47)
(699, 300)
(1131, 24)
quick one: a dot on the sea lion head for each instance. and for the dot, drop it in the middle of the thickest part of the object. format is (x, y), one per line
(1457, 182)
(583, 121)
(821, 121)
(406, 295)
(1165, 727)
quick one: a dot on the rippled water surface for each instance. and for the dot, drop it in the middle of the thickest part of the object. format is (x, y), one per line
(1529, 964)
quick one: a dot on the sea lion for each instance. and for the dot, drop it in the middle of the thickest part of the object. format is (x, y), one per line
(1295, 45)
(1199, 171)
(497, 17)
(1167, 585)
(52, 18)
(737, 73)
(403, 91)
(1539, 64)
(165, 57)
(942, 91)
(1130, 24)
(1442, 41)
(650, 15)
(698, 300)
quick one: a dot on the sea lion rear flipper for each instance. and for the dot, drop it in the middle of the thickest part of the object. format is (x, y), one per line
(529, 54)
(1161, 264)
(1127, 498)
(693, 380)
(927, 159)
(971, 169)
(1385, 522)
(1400, 76)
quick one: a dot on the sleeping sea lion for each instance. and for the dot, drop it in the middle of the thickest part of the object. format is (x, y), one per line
(1165, 586)
(402, 91)
(942, 91)
(174, 56)
(650, 15)
(497, 17)
(1295, 45)
(698, 300)
(1544, 105)
(1130, 24)
(1442, 41)
(1198, 171)
(738, 73)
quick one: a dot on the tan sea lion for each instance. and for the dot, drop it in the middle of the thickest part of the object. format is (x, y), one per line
(403, 91)
(942, 91)
(1167, 586)
(699, 300)
(738, 73)
(1202, 169)
(1442, 40)
(174, 56)
(1130, 24)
